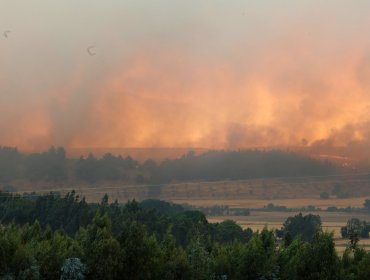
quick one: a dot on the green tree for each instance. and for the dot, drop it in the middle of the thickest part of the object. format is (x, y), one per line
(259, 258)
(225, 260)
(102, 252)
(141, 253)
(305, 226)
(356, 264)
(199, 261)
(73, 269)
(175, 262)
(317, 259)
(53, 250)
(289, 257)
(228, 231)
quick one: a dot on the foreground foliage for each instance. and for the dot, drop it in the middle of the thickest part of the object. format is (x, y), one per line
(149, 241)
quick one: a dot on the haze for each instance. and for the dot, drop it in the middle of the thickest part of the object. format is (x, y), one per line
(210, 74)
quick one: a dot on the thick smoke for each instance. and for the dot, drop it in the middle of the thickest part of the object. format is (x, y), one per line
(210, 76)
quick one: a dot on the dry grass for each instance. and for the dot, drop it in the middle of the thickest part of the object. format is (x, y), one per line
(291, 192)
(198, 197)
(290, 203)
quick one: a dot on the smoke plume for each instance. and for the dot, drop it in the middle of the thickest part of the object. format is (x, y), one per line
(191, 75)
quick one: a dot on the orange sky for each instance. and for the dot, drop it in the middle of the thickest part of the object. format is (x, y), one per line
(208, 75)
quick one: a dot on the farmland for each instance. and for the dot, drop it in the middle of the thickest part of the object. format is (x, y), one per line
(342, 190)
(331, 222)
(296, 195)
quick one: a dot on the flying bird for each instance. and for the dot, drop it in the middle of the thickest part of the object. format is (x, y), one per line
(5, 34)
(90, 50)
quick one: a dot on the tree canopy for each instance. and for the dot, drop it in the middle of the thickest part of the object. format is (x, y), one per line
(146, 240)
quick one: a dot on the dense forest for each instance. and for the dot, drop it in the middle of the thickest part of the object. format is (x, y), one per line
(53, 165)
(53, 237)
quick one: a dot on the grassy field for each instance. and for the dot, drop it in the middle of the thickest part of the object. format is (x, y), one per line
(293, 192)
(201, 196)
(331, 222)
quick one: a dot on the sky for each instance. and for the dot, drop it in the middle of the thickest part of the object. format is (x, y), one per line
(168, 73)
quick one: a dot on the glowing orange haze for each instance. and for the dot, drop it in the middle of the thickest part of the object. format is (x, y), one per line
(295, 91)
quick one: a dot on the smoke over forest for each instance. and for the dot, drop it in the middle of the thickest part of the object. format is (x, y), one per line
(168, 75)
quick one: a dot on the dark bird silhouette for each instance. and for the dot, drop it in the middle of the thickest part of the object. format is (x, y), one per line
(5, 33)
(90, 50)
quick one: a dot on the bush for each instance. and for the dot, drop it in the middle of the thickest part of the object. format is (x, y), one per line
(357, 227)
(304, 226)
(324, 195)
(332, 209)
(367, 205)
(9, 188)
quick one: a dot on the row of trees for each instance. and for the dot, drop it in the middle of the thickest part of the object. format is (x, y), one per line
(49, 165)
(53, 165)
(71, 213)
(159, 240)
(243, 164)
(222, 210)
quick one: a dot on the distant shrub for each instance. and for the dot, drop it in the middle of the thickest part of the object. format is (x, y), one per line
(347, 209)
(241, 212)
(357, 227)
(324, 195)
(9, 188)
(332, 209)
(311, 208)
(222, 210)
(367, 205)
(336, 189)
(343, 195)
(339, 192)
(273, 207)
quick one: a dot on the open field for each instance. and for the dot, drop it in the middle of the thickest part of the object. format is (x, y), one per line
(290, 203)
(124, 193)
(332, 222)
(289, 192)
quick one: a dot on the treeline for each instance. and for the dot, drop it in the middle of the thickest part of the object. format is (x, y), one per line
(71, 213)
(148, 244)
(53, 165)
(236, 165)
(222, 210)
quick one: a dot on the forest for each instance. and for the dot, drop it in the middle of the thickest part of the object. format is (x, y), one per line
(54, 237)
(54, 165)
